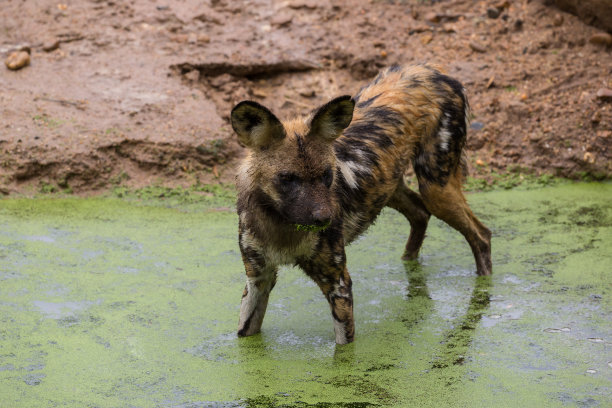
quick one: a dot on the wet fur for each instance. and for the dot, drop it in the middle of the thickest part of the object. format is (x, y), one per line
(406, 115)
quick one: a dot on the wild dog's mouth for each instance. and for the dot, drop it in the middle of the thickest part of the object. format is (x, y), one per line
(311, 228)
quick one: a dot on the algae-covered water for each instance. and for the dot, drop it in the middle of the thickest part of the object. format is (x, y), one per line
(114, 303)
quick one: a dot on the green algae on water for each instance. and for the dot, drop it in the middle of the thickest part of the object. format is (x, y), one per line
(113, 302)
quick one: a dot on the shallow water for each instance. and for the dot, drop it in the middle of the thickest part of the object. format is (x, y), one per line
(110, 303)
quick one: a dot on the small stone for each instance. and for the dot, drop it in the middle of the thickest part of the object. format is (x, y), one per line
(518, 25)
(604, 93)
(596, 117)
(426, 38)
(476, 126)
(502, 5)
(17, 60)
(493, 12)
(193, 75)
(589, 158)
(51, 44)
(432, 17)
(260, 93)
(307, 93)
(203, 38)
(477, 47)
(591, 371)
(557, 20)
(383, 54)
(601, 39)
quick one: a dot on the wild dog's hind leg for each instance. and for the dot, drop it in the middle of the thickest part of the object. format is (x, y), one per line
(412, 207)
(328, 270)
(261, 279)
(448, 203)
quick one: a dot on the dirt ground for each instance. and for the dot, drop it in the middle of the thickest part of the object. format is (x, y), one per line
(139, 92)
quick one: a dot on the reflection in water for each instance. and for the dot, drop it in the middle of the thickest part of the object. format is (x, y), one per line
(420, 304)
(457, 341)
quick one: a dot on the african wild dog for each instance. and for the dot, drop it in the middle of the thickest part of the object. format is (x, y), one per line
(311, 185)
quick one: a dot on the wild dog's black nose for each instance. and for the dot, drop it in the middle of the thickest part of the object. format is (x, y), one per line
(320, 217)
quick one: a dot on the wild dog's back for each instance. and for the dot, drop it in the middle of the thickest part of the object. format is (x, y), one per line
(406, 114)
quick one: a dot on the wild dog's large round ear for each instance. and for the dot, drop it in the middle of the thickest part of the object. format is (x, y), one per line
(332, 118)
(255, 125)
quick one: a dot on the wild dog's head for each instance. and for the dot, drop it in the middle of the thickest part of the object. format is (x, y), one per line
(291, 165)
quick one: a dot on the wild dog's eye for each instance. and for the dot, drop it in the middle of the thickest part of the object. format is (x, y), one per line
(288, 178)
(327, 177)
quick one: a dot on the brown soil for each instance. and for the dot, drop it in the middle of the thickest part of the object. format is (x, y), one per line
(139, 92)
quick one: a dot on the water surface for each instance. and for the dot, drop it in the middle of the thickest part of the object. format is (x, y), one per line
(111, 303)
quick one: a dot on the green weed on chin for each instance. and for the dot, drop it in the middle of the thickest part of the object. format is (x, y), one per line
(311, 228)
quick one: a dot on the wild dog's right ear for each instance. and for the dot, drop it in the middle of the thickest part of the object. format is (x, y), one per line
(255, 125)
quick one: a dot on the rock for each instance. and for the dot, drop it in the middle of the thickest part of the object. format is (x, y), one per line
(597, 13)
(281, 19)
(51, 44)
(203, 38)
(477, 47)
(219, 81)
(493, 12)
(306, 4)
(557, 20)
(17, 60)
(383, 54)
(601, 39)
(604, 93)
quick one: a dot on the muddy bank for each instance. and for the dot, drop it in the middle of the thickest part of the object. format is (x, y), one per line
(134, 93)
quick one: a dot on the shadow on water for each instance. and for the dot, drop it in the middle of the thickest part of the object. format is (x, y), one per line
(457, 341)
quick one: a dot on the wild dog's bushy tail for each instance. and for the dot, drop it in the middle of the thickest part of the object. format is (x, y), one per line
(441, 153)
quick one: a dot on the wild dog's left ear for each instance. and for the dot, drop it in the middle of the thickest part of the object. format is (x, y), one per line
(332, 118)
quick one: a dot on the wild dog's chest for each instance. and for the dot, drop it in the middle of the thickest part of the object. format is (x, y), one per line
(278, 248)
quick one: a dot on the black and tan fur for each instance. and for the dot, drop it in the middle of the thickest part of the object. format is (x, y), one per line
(337, 168)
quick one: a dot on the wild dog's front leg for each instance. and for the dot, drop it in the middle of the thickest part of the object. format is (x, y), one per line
(328, 270)
(261, 279)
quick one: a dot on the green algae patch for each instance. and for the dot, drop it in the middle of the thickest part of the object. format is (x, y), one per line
(134, 301)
